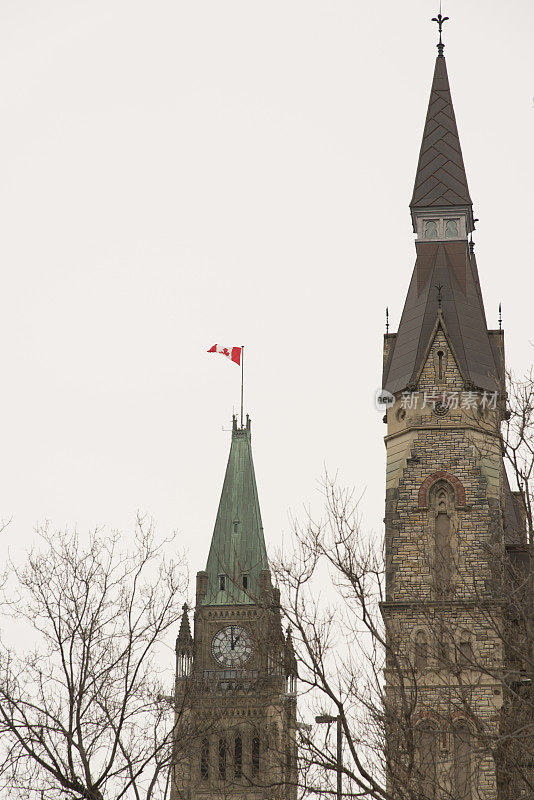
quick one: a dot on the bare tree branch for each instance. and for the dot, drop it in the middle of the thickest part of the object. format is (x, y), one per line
(80, 710)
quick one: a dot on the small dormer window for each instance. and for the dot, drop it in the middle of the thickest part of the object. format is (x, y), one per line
(441, 228)
(245, 582)
(222, 583)
(451, 229)
(431, 229)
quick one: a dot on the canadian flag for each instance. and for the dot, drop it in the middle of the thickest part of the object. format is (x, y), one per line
(233, 353)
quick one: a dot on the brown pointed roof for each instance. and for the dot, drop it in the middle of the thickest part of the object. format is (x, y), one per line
(453, 265)
(514, 524)
(440, 179)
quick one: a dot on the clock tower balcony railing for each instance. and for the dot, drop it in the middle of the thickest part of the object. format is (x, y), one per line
(230, 679)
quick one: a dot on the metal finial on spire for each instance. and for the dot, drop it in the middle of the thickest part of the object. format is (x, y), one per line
(387, 319)
(500, 317)
(440, 19)
(439, 287)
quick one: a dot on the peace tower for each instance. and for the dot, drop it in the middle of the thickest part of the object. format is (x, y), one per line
(236, 675)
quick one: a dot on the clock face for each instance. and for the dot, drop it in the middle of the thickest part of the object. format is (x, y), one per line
(231, 646)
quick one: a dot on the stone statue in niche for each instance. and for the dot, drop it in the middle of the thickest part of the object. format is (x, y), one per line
(444, 524)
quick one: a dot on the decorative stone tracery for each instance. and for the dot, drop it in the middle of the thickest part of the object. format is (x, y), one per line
(446, 476)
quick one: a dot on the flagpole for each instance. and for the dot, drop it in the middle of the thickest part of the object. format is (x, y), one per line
(242, 373)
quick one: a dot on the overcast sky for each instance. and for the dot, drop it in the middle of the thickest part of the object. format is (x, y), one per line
(177, 174)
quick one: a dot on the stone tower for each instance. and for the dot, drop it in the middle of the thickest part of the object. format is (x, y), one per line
(450, 515)
(236, 675)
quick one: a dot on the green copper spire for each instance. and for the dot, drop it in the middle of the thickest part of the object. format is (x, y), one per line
(237, 554)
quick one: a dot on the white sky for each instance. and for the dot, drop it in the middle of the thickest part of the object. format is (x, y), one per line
(177, 174)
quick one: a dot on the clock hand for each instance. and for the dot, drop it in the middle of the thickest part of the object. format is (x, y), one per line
(232, 641)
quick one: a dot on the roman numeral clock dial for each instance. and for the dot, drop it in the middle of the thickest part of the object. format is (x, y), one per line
(231, 646)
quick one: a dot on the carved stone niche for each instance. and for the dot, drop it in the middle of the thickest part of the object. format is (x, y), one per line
(444, 525)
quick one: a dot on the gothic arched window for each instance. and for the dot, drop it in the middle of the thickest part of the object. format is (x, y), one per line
(255, 756)
(238, 757)
(205, 759)
(426, 743)
(421, 651)
(462, 762)
(443, 652)
(465, 649)
(289, 761)
(222, 759)
(431, 229)
(451, 229)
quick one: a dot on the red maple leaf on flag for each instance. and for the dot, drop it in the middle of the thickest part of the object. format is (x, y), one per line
(233, 353)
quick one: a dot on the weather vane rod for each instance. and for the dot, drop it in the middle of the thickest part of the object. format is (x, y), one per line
(440, 20)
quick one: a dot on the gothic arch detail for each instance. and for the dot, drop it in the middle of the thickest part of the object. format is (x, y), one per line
(255, 756)
(420, 647)
(428, 715)
(444, 476)
(462, 759)
(205, 759)
(426, 739)
(464, 648)
(442, 497)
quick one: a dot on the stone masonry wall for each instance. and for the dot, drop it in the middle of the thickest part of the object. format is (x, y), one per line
(459, 446)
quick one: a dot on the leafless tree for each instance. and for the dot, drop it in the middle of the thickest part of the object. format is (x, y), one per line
(340, 646)
(343, 653)
(81, 708)
(518, 441)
